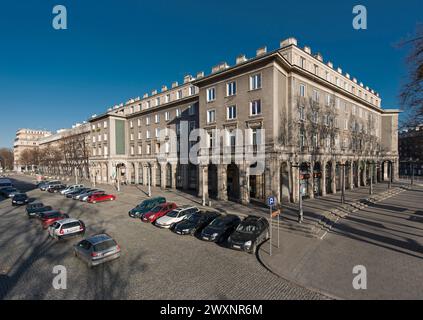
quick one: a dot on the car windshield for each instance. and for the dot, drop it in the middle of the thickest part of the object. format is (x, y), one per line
(194, 218)
(217, 223)
(156, 209)
(104, 245)
(21, 196)
(173, 214)
(247, 228)
(52, 215)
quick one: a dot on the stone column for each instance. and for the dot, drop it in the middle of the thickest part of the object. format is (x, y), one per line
(295, 183)
(163, 176)
(311, 182)
(365, 174)
(351, 176)
(244, 183)
(271, 179)
(323, 178)
(136, 168)
(203, 186)
(174, 176)
(153, 174)
(222, 193)
(333, 177)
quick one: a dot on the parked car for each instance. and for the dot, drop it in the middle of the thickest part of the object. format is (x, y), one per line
(49, 217)
(70, 195)
(220, 228)
(94, 198)
(89, 194)
(66, 228)
(20, 199)
(6, 183)
(81, 195)
(146, 206)
(195, 223)
(71, 188)
(158, 212)
(175, 216)
(34, 212)
(56, 188)
(249, 234)
(9, 192)
(97, 249)
(47, 185)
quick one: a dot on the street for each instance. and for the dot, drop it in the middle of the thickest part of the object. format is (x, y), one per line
(155, 263)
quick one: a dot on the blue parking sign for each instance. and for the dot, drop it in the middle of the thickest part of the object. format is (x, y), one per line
(271, 201)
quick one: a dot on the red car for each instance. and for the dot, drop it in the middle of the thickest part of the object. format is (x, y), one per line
(101, 197)
(158, 212)
(50, 217)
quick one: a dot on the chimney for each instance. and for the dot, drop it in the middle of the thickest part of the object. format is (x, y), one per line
(319, 57)
(288, 42)
(174, 84)
(164, 88)
(307, 49)
(261, 51)
(200, 74)
(220, 67)
(241, 58)
(187, 78)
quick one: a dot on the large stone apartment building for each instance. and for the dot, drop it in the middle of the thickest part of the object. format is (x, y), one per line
(321, 127)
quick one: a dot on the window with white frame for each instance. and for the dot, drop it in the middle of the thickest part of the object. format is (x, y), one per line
(132, 137)
(148, 149)
(231, 112)
(191, 90)
(328, 100)
(302, 62)
(157, 132)
(147, 120)
(302, 90)
(157, 118)
(94, 151)
(139, 123)
(255, 81)
(179, 94)
(167, 147)
(211, 94)
(178, 113)
(105, 124)
(139, 135)
(139, 149)
(148, 134)
(131, 124)
(167, 99)
(106, 151)
(94, 139)
(148, 105)
(99, 138)
(105, 137)
(255, 107)
(231, 88)
(167, 115)
(157, 101)
(132, 150)
(211, 116)
(315, 95)
(301, 113)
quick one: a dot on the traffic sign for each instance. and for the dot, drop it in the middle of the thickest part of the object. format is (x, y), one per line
(271, 201)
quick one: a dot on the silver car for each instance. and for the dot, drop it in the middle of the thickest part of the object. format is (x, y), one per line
(71, 188)
(66, 228)
(97, 249)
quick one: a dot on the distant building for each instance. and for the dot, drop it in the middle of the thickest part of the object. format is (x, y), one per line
(410, 145)
(26, 139)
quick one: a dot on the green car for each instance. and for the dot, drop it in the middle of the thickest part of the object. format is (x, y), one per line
(146, 206)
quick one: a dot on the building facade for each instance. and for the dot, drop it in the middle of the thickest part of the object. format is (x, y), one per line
(321, 130)
(26, 139)
(410, 144)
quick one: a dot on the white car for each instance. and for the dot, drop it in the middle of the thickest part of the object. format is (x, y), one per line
(66, 228)
(71, 188)
(175, 216)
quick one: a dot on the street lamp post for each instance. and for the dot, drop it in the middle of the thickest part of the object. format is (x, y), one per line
(149, 181)
(390, 174)
(342, 165)
(371, 178)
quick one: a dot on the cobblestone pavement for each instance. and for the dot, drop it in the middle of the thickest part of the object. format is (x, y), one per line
(155, 263)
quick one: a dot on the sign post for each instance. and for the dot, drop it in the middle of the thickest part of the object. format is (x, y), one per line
(271, 202)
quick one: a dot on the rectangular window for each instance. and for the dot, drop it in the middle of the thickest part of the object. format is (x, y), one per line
(191, 90)
(315, 95)
(302, 62)
(302, 90)
(105, 124)
(231, 112)
(132, 137)
(105, 137)
(328, 100)
(255, 107)
(131, 124)
(255, 81)
(139, 123)
(301, 113)
(316, 70)
(191, 110)
(157, 132)
(178, 113)
(211, 94)
(167, 115)
(211, 116)
(231, 88)
(139, 135)
(147, 134)
(179, 94)
(132, 150)
(157, 101)
(139, 149)
(157, 118)
(106, 151)
(148, 105)
(167, 99)
(148, 149)
(147, 120)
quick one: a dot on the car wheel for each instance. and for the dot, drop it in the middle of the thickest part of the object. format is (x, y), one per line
(254, 249)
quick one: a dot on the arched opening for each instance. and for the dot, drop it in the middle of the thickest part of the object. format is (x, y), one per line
(257, 186)
(233, 189)
(168, 176)
(133, 173)
(158, 175)
(328, 174)
(212, 180)
(284, 182)
(317, 177)
(304, 179)
(121, 173)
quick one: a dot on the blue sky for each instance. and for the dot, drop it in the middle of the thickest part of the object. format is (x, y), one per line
(115, 50)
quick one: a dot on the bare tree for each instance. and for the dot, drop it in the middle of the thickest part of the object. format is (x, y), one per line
(412, 91)
(6, 158)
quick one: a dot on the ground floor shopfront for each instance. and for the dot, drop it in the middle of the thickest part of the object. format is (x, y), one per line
(284, 176)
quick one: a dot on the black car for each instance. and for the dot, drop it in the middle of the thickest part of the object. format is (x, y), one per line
(35, 212)
(20, 199)
(249, 234)
(9, 192)
(57, 188)
(76, 192)
(220, 228)
(195, 223)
